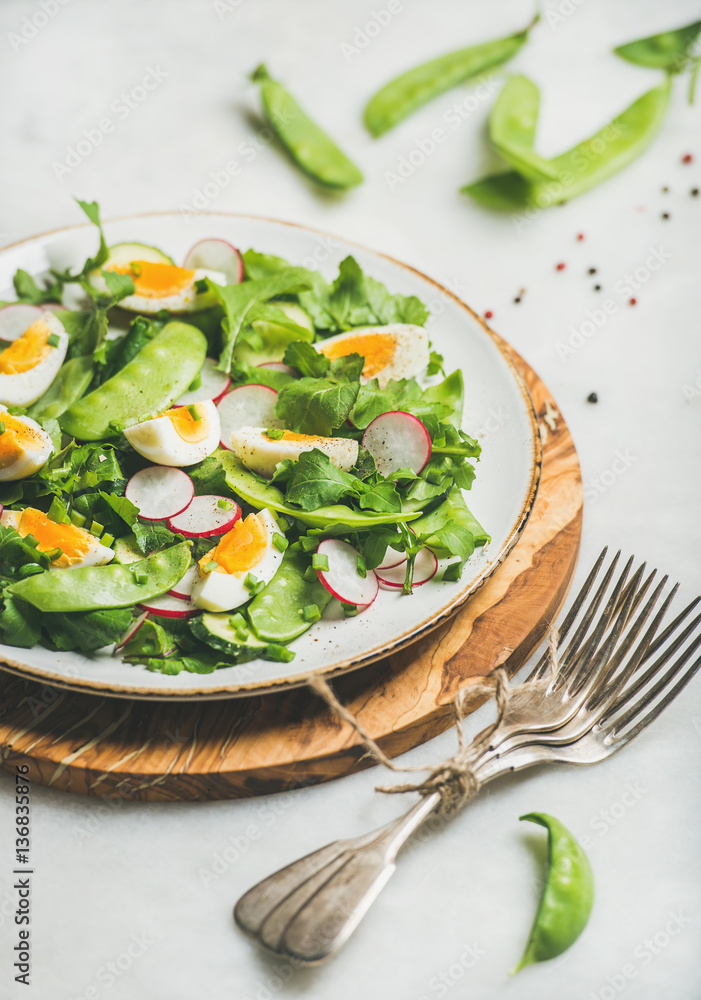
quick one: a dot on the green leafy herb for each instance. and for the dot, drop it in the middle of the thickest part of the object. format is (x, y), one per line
(315, 482)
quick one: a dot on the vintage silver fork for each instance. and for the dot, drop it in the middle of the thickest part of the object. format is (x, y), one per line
(579, 713)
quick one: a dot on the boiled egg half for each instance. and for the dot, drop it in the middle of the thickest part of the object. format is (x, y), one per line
(164, 286)
(181, 436)
(24, 447)
(77, 546)
(391, 352)
(262, 453)
(246, 553)
(29, 364)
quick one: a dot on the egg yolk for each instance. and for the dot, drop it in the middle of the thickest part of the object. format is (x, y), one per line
(27, 351)
(156, 281)
(186, 426)
(377, 348)
(74, 542)
(293, 436)
(16, 439)
(240, 549)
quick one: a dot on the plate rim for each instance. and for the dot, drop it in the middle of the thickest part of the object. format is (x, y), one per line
(251, 689)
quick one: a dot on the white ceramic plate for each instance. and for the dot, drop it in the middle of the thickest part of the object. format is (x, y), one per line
(498, 411)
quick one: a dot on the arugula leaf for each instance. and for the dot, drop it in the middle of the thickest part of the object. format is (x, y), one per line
(150, 537)
(244, 303)
(307, 361)
(316, 406)
(348, 368)
(381, 496)
(28, 290)
(86, 631)
(209, 477)
(16, 552)
(316, 482)
(20, 623)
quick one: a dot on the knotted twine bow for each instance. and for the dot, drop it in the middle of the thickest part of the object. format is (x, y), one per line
(454, 779)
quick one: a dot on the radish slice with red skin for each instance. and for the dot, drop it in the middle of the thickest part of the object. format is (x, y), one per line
(131, 631)
(397, 440)
(247, 406)
(214, 386)
(217, 255)
(168, 606)
(55, 307)
(204, 517)
(425, 568)
(278, 366)
(342, 579)
(183, 588)
(160, 492)
(393, 557)
(16, 318)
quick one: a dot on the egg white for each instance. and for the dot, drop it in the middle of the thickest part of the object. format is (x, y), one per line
(25, 388)
(31, 459)
(262, 455)
(220, 591)
(158, 441)
(95, 555)
(411, 352)
(188, 300)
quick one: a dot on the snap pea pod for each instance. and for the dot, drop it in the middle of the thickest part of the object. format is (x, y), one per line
(453, 511)
(407, 93)
(567, 898)
(160, 372)
(308, 145)
(277, 613)
(670, 50)
(113, 586)
(512, 127)
(69, 385)
(583, 167)
(249, 488)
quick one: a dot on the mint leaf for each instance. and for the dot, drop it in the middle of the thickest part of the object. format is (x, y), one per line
(316, 482)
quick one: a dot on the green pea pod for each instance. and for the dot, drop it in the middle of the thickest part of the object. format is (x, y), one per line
(259, 494)
(512, 127)
(276, 614)
(567, 898)
(308, 145)
(670, 50)
(588, 164)
(69, 385)
(407, 93)
(89, 588)
(149, 384)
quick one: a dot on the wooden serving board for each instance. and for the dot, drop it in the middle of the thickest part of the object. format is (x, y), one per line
(252, 746)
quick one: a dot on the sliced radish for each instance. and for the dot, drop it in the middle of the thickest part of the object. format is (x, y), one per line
(393, 557)
(342, 578)
(55, 307)
(425, 568)
(160, 492)
(168, 606)
(213, 385)
(131, 631)
(183, 588)
(16, 318)
(397, 440)
(217, 255)
(278, 366)
(205, 517)
(247, 406)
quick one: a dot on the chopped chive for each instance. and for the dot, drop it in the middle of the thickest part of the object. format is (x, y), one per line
(107, 539)
(308, 542)
(238, 624)
(349, 610)
(320, 561)
(309, 574)
(252, 585)
(140, 577)
(209, 566)
(96, 528)
(280, 542)
(362, 568)
(225, 504)
(77, 519)
(201, 285)
(193, 411)
(434, 475)
(279, 654)
(53, 340)
(196, 382)
(2, 426)
(311, 613)
(52, 554)
(275, 433)
(282, 522)
(30, 569)
(135, 268)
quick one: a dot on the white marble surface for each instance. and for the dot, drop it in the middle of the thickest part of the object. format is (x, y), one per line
(108, 876)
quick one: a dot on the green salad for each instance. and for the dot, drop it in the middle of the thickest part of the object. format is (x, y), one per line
(199, 460)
